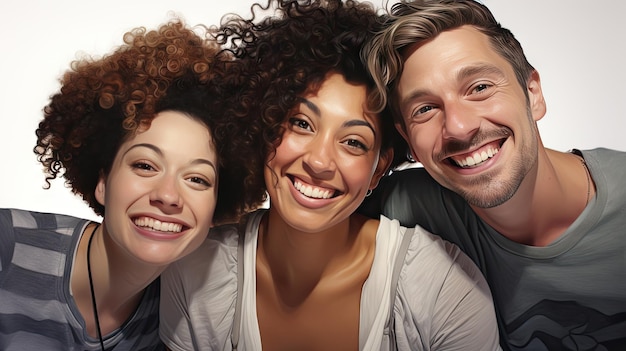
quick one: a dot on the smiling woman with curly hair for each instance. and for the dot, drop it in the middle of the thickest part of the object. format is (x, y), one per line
(309, 273)
(104, 101)
(143, 135)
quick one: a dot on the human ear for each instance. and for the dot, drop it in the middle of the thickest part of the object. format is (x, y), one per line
(100, 190)
(536, 101)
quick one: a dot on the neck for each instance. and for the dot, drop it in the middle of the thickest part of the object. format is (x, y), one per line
(118, 281)
(297, 261)
(551, 197)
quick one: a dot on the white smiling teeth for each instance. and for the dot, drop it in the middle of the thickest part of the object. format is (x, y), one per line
(477, 158)
(157, 225)
(309, 191)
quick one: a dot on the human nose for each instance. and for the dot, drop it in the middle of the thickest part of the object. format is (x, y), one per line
(320, 157)
(460, 122)
(166, 193)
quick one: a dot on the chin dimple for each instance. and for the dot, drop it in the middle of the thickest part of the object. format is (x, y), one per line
(313, 192)
(476, 158)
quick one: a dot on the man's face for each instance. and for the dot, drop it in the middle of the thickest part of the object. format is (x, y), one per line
(466, 117)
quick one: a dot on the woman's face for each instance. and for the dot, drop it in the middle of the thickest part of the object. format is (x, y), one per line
(161, 192)
(328, 157)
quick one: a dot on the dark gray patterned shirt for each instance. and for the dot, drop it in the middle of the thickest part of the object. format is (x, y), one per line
(569, 295)
(37, 310)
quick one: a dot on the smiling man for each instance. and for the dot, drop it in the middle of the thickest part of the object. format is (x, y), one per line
(546, 227)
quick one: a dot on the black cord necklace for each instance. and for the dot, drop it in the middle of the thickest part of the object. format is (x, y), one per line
(93, 294)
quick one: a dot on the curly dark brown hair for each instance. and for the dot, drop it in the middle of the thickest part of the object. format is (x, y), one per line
(290, 53)
(104, 101)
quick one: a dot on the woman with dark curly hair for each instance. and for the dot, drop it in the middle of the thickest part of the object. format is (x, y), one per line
(309, 273)
(141, 134)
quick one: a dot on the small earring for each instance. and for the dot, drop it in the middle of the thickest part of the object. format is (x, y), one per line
(409, 156)
(368, 193)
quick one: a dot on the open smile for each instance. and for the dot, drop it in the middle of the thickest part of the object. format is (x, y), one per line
(158, 226)
(314, 192)
(476, 157)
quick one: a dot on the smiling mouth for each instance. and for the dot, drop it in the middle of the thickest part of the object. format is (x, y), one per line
(480, 155)
(156, 225)
(314, 192)
(475, 159)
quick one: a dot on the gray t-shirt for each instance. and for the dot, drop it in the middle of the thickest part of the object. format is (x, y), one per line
(569, 295)
(441, 299)
(37, 310)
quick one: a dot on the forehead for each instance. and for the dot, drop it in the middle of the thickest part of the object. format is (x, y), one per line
(173, 123)
(176, 131)
(452, 48)
(437, 63)
(335, 92)
(339, 99)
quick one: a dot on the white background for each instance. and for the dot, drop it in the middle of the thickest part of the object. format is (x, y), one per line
(577, 47)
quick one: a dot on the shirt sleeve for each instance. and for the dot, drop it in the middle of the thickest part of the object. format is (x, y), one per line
(465, 316)
(174, 328)
(444, 302)
(198, 295)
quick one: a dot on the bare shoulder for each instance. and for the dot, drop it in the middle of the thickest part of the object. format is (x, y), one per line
(364, 224)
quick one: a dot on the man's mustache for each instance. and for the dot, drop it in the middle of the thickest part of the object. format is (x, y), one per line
(455, 146)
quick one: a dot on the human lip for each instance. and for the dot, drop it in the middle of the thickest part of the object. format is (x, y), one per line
(477, 151)
(475, 158)
(162, 225)
(313, 191)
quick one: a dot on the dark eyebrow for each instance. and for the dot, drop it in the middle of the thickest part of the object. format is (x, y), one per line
(480, 69)
(156, 149)
(149, 146)
(359, 122)
(350, 123)
(413, 96)
(313, 107)
(464, 73)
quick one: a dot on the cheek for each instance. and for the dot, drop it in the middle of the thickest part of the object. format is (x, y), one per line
(204, 199)
(423, 137)
(290, 148)
(119, 190)
(284, 155)
(271, 172)
(203, 207)
(358, 172)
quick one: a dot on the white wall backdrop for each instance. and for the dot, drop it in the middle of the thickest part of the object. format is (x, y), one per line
(578, 48)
